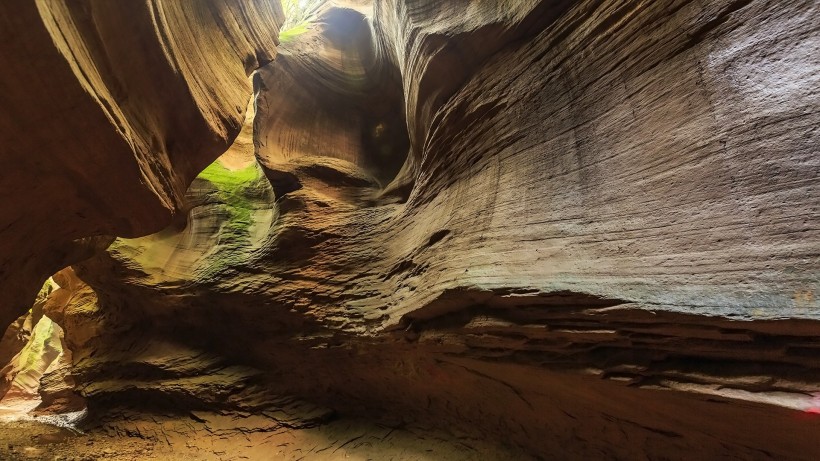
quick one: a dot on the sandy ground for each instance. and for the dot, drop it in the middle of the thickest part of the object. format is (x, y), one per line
(228, 437)
(27, 440)
(30, 440)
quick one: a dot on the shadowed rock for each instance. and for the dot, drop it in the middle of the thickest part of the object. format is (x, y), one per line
(573, 230)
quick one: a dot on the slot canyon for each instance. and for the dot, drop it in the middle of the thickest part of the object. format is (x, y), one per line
(410, 230)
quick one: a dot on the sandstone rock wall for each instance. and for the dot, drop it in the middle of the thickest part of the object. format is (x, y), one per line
(604, 214)
(110, 110)
(597, 235)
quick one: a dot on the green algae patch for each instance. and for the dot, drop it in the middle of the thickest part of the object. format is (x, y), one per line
(227, 179)
(288, 35)
(236, 189)
(241, 192)
(229, 213)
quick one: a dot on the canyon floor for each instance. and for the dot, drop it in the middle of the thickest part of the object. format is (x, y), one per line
(239, 437)
(573, 230)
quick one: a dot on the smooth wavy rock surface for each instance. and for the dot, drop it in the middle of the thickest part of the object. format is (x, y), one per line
(110, 110)
(572, 230)
(596, 238)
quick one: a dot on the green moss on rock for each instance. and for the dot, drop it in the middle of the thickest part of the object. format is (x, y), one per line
(240, 191)
(300, 15)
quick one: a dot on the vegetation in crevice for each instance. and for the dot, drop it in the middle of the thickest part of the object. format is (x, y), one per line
(299, 14)
(240, 191)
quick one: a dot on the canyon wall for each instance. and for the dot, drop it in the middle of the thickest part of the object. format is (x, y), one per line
(110, 110)
(579, 229)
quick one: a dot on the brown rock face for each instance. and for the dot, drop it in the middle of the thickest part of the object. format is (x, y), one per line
(27, 347)
(572, 230)
(109, 111)
(331, 95)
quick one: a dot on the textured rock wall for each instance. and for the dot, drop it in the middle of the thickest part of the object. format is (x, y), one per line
(41, 354)
(641, 154)
(331, 95)
(18, 333)
(602, 241)
(110, 110)
(27, 347)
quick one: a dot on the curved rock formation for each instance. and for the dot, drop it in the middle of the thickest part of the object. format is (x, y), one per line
(111, 109)
(19, 333)
(565, 229)
(331, 95)
(35, 343)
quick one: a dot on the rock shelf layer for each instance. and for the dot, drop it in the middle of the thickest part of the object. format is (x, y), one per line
(573, 229)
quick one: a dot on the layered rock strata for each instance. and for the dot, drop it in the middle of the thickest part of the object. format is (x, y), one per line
(597, 236)
(110, 110)
(588, 250)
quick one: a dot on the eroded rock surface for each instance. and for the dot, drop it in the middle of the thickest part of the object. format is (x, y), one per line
(110, 110)
(573, 230)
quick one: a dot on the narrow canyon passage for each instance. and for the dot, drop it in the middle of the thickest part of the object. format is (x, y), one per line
(410, 230)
